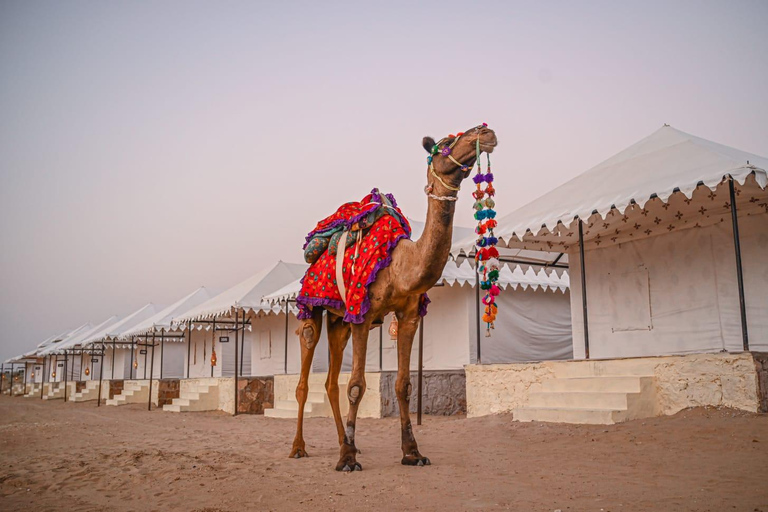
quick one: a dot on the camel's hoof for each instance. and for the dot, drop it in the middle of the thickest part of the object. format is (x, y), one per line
(298, 453)
(415, 460)
(347, 468)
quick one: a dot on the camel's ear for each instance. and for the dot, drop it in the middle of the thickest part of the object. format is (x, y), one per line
(428, 143)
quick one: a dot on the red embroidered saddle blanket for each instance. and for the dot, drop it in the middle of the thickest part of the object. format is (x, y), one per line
(382, 226)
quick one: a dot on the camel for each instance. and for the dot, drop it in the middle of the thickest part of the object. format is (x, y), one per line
(415, 268)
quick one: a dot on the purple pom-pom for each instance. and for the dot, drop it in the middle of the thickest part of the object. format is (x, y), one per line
(488, 177)
(478, 178)
(445, 151)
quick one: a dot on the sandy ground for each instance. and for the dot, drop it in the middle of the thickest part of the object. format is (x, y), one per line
(57, 456)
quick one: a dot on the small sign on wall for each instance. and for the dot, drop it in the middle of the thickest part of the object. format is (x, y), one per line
(143, 352)
(94, 360)
(223, 339)
(60, 365)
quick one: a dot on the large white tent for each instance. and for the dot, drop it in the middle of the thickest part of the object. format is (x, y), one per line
(657, 224)
(170, 356)
(246, 299)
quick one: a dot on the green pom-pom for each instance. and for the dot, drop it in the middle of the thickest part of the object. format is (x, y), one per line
(493, 275)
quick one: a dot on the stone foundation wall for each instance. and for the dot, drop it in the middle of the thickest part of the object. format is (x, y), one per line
(444, 393)
(254, 394)
(79, 386)
(115, 387)
(167, 390)
(694, 380)
(761, 364)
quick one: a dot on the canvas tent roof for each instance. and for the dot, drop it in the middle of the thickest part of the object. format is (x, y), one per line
(247, 294)
(116, 329)
(162, 320)
(74, 341)
(61, 340)
(665, 162)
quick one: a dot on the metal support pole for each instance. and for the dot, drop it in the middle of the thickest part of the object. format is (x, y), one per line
(477, 314)
(42, 381)
(420, 372)
(151, 372)
(237, 319)
(101, 369)
(133, 348)
(583, 289)
(285, 364)
(113, 359)
(2, 375)
(162, 349)
(242, 346)
(381, 347)
(189, 344)
(73, 363)
(213, 343)
(66, 362)
(739, 272)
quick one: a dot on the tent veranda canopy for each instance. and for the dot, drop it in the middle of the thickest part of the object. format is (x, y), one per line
(74, 341)
(163, 319)
(116, 329)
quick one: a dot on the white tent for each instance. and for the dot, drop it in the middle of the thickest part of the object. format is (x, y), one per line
(656, 221)
(169, 358)
(245, 296)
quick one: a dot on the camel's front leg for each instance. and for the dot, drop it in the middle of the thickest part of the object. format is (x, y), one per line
(355, 392)
(309, 335)
(407, 325)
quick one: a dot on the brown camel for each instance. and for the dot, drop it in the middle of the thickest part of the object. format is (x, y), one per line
(415, 268)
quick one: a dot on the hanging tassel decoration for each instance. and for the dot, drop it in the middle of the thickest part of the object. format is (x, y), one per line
(486, 255)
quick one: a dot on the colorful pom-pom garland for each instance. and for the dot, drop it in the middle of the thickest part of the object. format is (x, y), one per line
(486, 254)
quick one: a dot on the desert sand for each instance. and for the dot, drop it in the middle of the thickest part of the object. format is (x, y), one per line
(57, 456)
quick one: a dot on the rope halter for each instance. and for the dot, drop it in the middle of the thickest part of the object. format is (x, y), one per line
(446, 152)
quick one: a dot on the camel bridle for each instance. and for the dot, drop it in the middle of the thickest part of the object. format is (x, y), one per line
(446, 152)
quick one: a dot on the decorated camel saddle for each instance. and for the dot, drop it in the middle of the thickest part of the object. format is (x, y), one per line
(367, 232)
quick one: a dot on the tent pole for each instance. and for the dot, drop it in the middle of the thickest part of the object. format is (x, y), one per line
(133, 348)
(113, 359)
(285, 364)
(42, 380)
(381, 346)
(151, 373)
(66, 362)
(189, 343)
(73, 363)
(162, 349)
(739, 272)
(237, 319)
(583, 289)
(213, 343)
(2, 375)
(101, 369)
(477, 311)
(242, 345)
(420, 374)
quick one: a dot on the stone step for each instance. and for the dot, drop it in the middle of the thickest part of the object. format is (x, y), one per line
(623, 384)
(558, 415)
(280, 413)
(579, 400)
(172, 408)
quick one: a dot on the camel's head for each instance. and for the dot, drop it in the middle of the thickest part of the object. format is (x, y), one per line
(453, 157)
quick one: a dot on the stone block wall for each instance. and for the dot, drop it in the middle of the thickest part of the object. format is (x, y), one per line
(79, 386)
(761, 364)
(167, 390)
(115, 387)
(444, 393)
(254, 394)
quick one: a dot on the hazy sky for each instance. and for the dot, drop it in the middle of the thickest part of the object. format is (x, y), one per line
(148, 148)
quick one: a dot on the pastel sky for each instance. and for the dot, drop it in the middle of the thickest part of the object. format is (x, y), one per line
(148, 148)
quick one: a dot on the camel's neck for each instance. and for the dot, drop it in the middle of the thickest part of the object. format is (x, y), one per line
(433, 247)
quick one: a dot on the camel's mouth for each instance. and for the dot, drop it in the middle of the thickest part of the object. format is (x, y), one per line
(488, 142)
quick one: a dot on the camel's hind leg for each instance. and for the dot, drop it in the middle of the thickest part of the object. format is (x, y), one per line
(338, 336)
(309, 334)
(355, 392)
(408, 322)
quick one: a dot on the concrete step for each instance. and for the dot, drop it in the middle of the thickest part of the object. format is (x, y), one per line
(558, 415)
(280, 413)
(203, 397)
(579, 400)
(172, 408)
